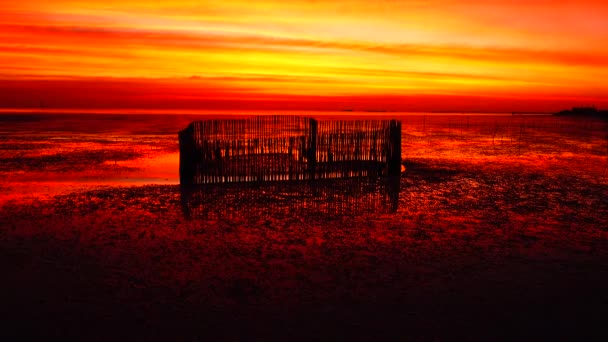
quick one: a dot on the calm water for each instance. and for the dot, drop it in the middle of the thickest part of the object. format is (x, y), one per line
(45, 154)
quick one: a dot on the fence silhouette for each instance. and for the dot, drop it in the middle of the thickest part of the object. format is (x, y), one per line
(287, 148)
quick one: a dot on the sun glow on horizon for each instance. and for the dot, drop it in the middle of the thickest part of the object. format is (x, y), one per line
(417, 54)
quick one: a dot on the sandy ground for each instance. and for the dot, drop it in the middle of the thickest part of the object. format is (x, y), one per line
(500, 234)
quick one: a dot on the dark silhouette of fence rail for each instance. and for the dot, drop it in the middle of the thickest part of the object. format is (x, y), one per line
(287, 148)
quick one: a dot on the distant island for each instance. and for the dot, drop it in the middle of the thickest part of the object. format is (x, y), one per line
(586, 112)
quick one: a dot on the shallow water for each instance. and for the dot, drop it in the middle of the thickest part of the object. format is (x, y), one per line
(47, 154)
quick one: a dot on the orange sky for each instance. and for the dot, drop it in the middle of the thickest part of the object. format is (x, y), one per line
(475, 55)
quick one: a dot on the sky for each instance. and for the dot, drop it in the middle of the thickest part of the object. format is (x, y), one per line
(409, 55)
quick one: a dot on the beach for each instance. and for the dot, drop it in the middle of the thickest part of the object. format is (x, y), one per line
(499, 233)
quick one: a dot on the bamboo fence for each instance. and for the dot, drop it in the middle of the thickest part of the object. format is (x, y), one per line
(287, 148)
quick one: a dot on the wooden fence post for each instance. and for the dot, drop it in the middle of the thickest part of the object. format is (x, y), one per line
(394, 158)
(312, 152)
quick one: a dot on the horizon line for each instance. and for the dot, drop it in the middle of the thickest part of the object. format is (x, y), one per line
(92, 110)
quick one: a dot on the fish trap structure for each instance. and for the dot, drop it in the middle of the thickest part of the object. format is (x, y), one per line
(287, 148)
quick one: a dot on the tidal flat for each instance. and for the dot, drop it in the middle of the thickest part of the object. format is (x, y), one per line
(499, 234)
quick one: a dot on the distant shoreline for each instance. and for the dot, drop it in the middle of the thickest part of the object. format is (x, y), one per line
(231, 112)
(584, 112)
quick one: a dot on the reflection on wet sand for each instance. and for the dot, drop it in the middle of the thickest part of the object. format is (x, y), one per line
(331, 198)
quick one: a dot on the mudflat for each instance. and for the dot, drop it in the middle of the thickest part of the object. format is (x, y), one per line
(499, 234)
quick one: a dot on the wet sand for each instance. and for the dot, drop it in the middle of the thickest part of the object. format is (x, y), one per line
(500, 234)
